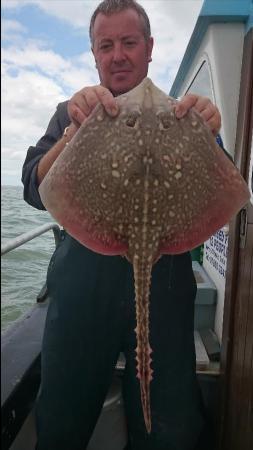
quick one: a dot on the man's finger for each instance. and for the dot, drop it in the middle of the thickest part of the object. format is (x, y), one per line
(183, 106)
(108, 101)
(205, 108)
(214, 124)
(211, 115)
(77, 115)
(208, 112)
(91, 98)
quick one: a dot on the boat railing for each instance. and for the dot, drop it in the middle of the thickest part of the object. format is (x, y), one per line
(20, 351)
(16, 242)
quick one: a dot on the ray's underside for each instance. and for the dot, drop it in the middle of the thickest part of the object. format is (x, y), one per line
(143, 184)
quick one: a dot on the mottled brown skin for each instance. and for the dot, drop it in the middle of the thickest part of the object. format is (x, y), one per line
(140, 185)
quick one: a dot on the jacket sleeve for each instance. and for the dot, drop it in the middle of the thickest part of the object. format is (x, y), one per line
(54, 131)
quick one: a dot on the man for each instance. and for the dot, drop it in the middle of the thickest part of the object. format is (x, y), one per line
(91, 316)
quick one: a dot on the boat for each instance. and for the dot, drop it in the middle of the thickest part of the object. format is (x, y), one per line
(218, 63)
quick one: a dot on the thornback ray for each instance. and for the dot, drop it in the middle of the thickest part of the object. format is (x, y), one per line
(141, 185)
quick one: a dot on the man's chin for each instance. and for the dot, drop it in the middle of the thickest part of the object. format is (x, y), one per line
(122, 83)
(119, 90)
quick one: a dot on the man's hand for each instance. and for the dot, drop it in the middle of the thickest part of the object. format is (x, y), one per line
(84, 101)
(204, 106)
(79, 107)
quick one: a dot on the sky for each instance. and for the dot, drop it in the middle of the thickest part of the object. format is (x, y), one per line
(46, 58)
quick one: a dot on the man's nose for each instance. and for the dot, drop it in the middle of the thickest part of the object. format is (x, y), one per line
(118, 53)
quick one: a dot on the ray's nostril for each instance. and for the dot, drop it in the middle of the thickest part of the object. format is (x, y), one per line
(131, 120)
(165, 120)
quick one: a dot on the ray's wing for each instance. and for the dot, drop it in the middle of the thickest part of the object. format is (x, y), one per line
(204, 188)
(90, 188)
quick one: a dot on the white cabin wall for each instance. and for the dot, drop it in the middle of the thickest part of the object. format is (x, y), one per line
(226, 49)
(222, 48)
(226, 61)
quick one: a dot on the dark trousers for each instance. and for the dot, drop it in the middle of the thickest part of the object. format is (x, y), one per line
(91, 318)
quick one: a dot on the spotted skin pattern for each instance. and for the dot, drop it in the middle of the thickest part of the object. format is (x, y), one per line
(140, 185)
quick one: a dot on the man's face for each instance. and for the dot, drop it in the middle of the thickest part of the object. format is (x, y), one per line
(121, 52)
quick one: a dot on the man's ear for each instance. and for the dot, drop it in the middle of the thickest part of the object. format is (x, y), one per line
(94, 57)
(150, 48)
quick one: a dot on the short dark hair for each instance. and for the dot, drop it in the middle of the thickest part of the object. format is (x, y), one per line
(109, 7)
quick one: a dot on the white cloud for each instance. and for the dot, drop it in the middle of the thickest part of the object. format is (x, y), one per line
(75, 12)
(10, 27)
(30, 55)
(171, 31)
(34, 80)
(12, 32)
(78, 12)
(28, 100)
(42, 79)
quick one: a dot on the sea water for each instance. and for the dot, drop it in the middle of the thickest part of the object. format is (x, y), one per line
(23, 269)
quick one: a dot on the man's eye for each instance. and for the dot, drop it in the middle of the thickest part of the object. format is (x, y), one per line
(105, 46)
(130, 43)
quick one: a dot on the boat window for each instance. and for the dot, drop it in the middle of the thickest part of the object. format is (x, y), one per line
(201, 83)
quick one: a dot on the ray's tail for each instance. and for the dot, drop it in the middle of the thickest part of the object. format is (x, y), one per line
(142, 276)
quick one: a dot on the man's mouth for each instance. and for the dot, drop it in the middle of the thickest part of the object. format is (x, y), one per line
(119, 71)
